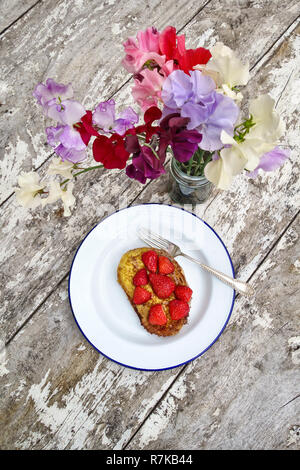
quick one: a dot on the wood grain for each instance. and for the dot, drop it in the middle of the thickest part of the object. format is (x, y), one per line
(56, 391)
(78, 42)
(244, 392)
(42, 239)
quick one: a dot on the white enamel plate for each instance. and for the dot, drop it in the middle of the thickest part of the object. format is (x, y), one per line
(101, 308)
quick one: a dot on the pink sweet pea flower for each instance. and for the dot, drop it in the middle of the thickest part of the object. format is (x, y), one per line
(143, 49)
(147, 88)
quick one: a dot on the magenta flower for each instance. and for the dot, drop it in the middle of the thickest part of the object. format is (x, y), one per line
(55, 100)
(270, 161)
(145, 165)
(183, 142)
(104, 117)
(67, 143)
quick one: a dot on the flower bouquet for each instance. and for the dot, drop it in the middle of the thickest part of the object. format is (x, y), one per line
(190, 100)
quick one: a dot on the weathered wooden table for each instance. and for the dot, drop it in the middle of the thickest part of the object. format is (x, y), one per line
(57, 392)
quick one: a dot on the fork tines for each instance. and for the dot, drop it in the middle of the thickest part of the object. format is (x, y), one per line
(153, 239)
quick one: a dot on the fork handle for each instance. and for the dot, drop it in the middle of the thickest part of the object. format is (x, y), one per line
(239, 286)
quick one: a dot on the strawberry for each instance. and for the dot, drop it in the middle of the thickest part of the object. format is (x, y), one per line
(164, 265)
(150, 260)
(183, 293)
(141, 295)
(157, 315)
(178, 309)
(163, 286)
(141, 278)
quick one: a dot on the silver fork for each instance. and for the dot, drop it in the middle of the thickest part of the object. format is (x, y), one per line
(156, 241)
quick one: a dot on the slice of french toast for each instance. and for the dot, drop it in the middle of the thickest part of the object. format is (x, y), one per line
(130, 264)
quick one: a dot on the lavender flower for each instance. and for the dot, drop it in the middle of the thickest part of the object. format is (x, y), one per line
(194, 97)
(270, 161)
(56, 103)
(67, 143)
(104, 117)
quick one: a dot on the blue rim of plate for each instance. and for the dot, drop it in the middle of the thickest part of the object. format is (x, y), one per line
(182, 363)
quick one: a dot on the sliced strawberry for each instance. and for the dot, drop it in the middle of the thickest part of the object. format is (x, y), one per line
(141, 295)
(150, 260)
(141, 278)
(157, 315)
(163, 286)
(178, 309)
(164, 265)
(183, 293)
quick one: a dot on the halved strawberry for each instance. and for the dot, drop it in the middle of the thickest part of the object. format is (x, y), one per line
(183, 293)
(157, 315)
(163, 286)
(164, 265)
(150, 260)
(141, 295)
(178, 309)
(141, 278)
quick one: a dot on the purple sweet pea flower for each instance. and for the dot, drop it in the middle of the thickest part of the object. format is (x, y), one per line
(52, 90)
(272, 160)
(67, 143)
(104, 117)
(55, 100)
(209, 112)
(145, 165)
(183, 142)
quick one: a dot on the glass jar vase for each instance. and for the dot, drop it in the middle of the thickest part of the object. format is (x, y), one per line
(185, 189)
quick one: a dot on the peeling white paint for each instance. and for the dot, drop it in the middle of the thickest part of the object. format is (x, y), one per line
(264, 321)
(294, 347)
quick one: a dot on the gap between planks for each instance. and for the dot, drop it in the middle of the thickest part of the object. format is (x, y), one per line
(186, 365)
(19, 17)
(261, 61)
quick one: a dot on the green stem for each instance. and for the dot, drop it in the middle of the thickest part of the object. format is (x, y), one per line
(148, 145)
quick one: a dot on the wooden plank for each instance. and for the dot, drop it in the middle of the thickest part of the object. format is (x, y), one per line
(33, 51)
(43, 244)
(12, 10)
(60, 395)
(244, 392)
(78, 42)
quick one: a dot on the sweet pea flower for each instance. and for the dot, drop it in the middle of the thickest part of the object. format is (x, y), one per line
(56, 103)
(183, 142)
(67, 143)
(29, 187)
(58, 167)
(270, 161)
(145, 164)
(56, 192)
(209, 112)
(256, 150)
(227, 70)
(104, 117)
(141, 50)
(147, 88)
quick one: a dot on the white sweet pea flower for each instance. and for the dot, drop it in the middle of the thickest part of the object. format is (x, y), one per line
(56, 193)
(261, 138)
(58, 167)
(227, 70)
(269, 126)
(216, 172)
(28, 193)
